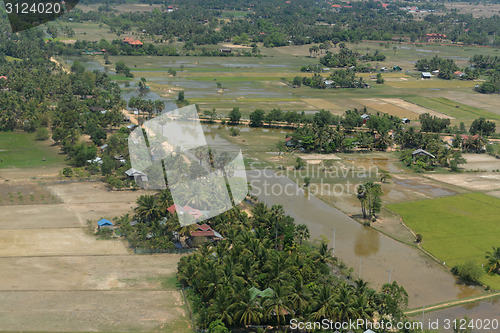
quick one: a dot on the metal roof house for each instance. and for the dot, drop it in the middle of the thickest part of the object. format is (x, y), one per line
(422, 152)
(104, 224)
(136, 174)
(426, 75)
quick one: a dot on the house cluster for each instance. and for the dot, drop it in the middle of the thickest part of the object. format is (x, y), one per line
(435, 37)
(131, 41)
(428, 75)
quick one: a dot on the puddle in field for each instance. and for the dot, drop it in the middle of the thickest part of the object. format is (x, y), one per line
(374, 162)
(427, 189)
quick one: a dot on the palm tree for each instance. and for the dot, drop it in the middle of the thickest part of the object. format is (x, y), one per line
(343, 304)
(300, 296)
(323, 304)
(247, 309)
(277, 305)
(147, 208)
(493, 260)
(301, 232)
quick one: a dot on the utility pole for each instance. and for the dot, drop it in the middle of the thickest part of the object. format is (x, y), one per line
(333, 247)
(423, 312)
(359, 274)
(390, 271)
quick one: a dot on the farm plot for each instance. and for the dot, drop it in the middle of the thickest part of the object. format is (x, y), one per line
(452, 108)
(456, 228)
(380, 105)
(484, 181)
(87, 311)
(414, 108)
(321, 103)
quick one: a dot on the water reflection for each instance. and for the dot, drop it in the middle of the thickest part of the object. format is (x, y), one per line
(367, 242)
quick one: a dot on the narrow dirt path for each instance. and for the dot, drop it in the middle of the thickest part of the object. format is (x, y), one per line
(451, 304)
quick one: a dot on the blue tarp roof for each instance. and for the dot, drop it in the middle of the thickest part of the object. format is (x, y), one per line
(104, 222)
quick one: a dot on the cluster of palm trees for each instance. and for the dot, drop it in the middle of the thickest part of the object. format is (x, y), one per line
(146, 106)
(295, 279)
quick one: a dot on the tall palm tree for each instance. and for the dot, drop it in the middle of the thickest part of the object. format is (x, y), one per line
(493, 260)
(301, 232)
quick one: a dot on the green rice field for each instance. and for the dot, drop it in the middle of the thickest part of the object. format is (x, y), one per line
(456, 228)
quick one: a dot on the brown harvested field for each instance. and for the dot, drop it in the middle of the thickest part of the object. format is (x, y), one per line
(477, 10)
(84, 311)
(20, 192)
(378, 104)
(481, 181)
(481, 162)
(57, 277)
(112, 272)
(414, 107)
(320, 103)
(29, 173)
(50, 242)
(94, 200)
(38, 217)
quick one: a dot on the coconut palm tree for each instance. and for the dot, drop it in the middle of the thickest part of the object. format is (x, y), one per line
(147, 208)
(247, 309)
(493, 258)
(323, 303)
(277, 305)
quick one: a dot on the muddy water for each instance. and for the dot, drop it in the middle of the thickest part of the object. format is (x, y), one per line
(481, 312)
(370, 253)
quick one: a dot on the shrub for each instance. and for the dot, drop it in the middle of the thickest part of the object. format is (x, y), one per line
(42, 134)
(469, 272)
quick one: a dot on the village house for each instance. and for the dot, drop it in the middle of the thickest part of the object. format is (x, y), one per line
(131, 41)
(434, 37)
(195, 213)
(426, 75)
(202, 234)
(421, 152)
(104, 224)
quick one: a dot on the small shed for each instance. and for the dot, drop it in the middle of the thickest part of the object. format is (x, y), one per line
(104, 224)
(405, 121)
(426, 75)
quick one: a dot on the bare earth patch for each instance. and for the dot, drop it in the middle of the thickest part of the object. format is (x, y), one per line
(483, 162)
(481, 181)
(414, 108)
(55, 277)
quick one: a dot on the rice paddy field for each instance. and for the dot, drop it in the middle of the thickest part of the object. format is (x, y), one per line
(456, 228)
(259, 82)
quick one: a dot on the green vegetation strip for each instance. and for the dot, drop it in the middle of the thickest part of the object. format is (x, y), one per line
(456, 228)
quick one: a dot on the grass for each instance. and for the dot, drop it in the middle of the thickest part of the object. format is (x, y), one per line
(20, 150)
(449, 107)
(456, 228)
